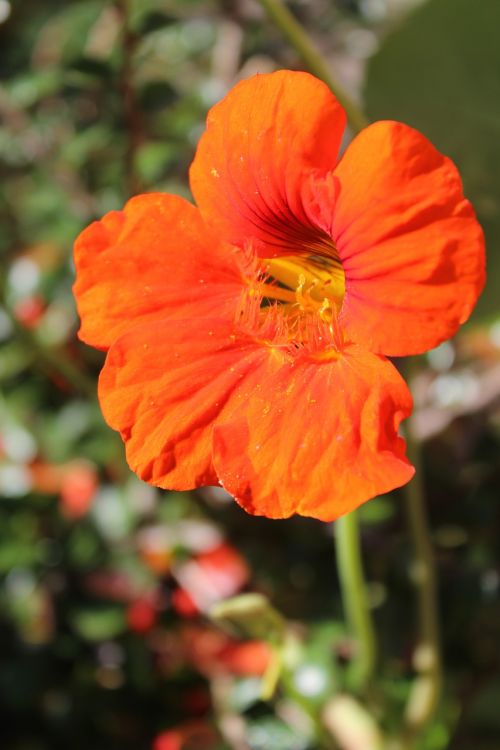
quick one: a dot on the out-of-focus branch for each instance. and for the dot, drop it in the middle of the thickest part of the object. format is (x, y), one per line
(313, 59)
(131, 111)
(426, 689)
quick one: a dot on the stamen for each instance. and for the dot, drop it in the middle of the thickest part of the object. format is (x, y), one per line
(323, 309)
(291, 304)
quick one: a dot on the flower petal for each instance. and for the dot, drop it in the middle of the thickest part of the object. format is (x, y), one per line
(155, 259)
(163, 386)
(317, 439)
(196, 403)
(261, 140)
(410, 245)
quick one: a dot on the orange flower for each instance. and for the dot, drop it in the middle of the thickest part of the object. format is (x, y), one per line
(247, 336)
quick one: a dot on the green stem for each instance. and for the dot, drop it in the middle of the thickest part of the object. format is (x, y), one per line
(426, 689)
(313, 58)
(354, 596)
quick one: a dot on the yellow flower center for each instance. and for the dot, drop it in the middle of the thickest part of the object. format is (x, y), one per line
(312, 284)
(294, 301)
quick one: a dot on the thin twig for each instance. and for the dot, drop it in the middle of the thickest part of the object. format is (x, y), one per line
(313, 59)
(131, 112)
(426, 689)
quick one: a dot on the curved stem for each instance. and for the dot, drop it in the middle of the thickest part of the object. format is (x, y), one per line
(313, 58)
(353, 589)
(426, 689)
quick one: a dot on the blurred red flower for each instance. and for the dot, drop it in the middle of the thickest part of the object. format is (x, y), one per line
(211, 652)
(75, 481)
(250, 658)
(209, 577)
(190, 736)
(78, 487)
(168, 741)
(29, 311)
(247, 337)
(141, 615)
(183, 603)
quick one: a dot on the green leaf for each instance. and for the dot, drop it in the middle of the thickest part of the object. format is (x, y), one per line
(250, 615)
(67, 33)
(17, 554)
(378, 510)
(99, 623)
(29, 88)
(439, 72)
(153, 159)
(15, 358)
(83, 548)
(144, 20)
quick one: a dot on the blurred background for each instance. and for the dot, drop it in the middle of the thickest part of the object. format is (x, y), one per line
(105, 582)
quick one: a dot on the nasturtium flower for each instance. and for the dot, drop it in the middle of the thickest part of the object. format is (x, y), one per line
(248, 337)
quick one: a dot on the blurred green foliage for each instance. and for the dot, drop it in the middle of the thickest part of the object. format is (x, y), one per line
(106, 584)
(440, 72)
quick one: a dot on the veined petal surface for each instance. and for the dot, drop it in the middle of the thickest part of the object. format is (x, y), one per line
(155, 259)
(164, 385)
(317, 439)
(411, 248)
(196, 404)
(260, 141)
